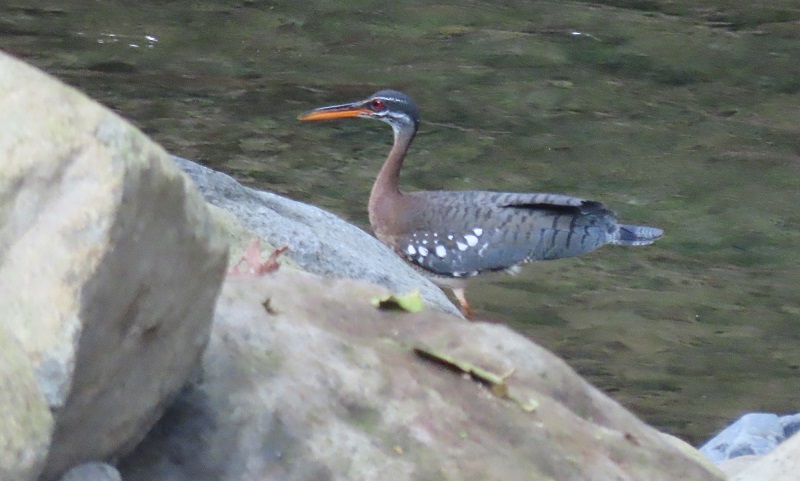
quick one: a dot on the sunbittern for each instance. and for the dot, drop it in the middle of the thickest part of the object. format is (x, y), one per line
(453, 235)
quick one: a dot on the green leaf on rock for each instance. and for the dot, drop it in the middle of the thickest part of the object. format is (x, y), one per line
(411, 302)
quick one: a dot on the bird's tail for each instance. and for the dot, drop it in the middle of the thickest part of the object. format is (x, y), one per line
(637, 235)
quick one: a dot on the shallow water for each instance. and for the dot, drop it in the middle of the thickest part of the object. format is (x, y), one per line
(683, 115)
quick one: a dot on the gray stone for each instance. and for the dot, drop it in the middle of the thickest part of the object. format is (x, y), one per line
(110, 265)
(92, 472)
(318, 241)
(752, 434)
(790, 425)
(749, 438)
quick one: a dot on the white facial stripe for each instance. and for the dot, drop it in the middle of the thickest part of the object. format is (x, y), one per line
(385, 115)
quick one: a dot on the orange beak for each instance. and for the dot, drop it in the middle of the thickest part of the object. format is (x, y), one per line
(335, 112)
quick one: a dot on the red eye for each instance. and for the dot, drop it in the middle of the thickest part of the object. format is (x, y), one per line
(377, 104)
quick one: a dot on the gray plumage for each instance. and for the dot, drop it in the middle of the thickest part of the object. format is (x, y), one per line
(461, 234)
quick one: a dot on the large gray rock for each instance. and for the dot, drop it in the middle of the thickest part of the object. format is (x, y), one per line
(110, 266)
(318, 241)
(752, 434)
(304, 379)
(25, 420)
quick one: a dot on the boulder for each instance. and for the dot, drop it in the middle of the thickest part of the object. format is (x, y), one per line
(752, 434)
(733, 466)
(782, 464)
(750, 448)
(304, 378)
(26, 421)
(109, 265)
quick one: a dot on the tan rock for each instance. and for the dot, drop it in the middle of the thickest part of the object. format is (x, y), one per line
(305, 379)
(696, 455)
(110, 265)
(26, 421)
(733, 466)
(782, 464)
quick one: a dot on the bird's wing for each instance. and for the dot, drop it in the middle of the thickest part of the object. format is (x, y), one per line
(464, 233)
(532, 199)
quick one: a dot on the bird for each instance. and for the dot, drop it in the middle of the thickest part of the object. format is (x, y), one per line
(452, 236)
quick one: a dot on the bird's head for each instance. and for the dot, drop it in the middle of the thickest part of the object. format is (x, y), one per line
(390, 106)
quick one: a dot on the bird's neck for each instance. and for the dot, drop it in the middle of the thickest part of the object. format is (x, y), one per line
(386, 190)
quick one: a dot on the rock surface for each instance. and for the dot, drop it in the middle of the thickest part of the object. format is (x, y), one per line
(26, 420)
(318, 241)
(92, 472)
(733, 466)
(783, 464)
(751, 434)
(304, 379)
(747, 443)
(109, 265)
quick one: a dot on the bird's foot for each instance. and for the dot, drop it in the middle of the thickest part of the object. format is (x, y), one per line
(466, 311)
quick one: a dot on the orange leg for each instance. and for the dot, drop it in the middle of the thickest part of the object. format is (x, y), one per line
(459, 292)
